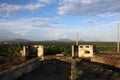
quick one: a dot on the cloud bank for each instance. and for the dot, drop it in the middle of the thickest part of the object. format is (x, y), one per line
(89, 7)
(7, 9)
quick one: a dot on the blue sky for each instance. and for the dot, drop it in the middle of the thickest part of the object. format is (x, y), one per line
(94, 20)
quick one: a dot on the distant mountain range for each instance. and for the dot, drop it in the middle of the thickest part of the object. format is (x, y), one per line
(25, 40)
(19, 40)
(64, 40)
(58, 40)
(67, 40)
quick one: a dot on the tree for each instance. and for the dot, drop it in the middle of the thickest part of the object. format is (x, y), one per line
(10, 50)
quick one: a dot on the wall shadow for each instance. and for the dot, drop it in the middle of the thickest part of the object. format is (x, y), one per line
(97, 71)
(50, 70)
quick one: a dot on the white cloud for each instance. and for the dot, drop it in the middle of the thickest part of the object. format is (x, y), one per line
(57, 17)
(26, 27)
(39, 19)
(90, 21)
(36, 29)
(15, 27)
(23, 28)
(21, 32)
(8, 9)
(42, 22)
(46, 1)
(59, 33)
(88, 1)
(33, 6)
(89, 7)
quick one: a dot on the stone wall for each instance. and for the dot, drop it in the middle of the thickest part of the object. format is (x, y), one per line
(60, 58)
(20, 70)
(108, 61)
(82, 51)
(25, 68)
(27, 50)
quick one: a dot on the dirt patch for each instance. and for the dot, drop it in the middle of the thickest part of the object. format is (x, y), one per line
(9, 62)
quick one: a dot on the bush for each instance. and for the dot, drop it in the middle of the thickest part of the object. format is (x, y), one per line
(10, 50)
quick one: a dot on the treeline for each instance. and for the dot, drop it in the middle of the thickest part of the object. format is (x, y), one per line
(54, 49)
(10, 49)
(51, 48)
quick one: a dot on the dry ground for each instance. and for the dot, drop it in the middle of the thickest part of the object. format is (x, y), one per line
(8, 62)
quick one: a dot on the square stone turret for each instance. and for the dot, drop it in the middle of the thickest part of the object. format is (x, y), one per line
(82, 51)
(33, 51)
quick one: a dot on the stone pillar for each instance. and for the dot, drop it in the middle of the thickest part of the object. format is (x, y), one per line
(73, 69)
(73, 51)
(91, 51)
(24, 51)
(40, 51)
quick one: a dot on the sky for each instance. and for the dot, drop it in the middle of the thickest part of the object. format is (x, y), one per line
(39, 20)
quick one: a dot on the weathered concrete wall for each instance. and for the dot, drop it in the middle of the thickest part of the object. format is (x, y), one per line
(83, 48)
(107, 61)
(26, 50)
(20, 70)
(82, 51)
(40, 50)
(60, 58)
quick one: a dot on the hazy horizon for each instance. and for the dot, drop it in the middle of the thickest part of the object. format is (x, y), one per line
(56, 40)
